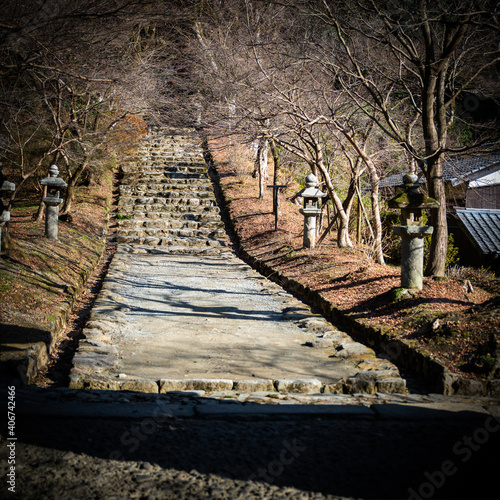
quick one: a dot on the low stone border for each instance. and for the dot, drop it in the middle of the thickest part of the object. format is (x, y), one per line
(437, 378)
(80, 379)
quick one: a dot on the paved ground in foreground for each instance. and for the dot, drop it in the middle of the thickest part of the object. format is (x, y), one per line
(112, 445)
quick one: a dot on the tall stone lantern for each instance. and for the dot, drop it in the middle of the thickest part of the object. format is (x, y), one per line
(412, 231)
(52, 200)
(311, 196)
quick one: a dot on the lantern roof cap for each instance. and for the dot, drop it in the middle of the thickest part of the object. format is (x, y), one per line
(52, 180)
(311, 191)
(411, 198)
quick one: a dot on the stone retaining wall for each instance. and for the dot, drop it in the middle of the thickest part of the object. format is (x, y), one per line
(31, 359)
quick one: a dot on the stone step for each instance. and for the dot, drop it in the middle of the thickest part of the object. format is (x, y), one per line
(169, 224)
(171, 241)
(168, 154)
(158, 201)
(167, 211)
(173, 233)
(173, 250)
(179, 197)
(207, 214)
(181, 161)
(162, 179)
(167, 190)
(155, 170)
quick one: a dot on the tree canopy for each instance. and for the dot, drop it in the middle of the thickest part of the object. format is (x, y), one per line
(352, 88)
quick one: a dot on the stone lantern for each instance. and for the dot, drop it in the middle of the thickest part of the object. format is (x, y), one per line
(52, 200)
(412, 231)
(312, 196)
(6, 187)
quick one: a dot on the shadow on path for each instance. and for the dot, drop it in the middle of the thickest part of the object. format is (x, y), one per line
(437, 454)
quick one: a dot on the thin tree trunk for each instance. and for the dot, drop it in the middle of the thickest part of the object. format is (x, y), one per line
(261, 166)
(276, 161)
(41, 208)
(343, 239)
(377, 222)
(73, 179)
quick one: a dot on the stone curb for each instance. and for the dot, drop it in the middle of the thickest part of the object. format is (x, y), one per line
(82, 379)
(431, 370)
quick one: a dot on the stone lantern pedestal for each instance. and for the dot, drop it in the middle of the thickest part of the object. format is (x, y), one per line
(52, 200)
(312, 196)
(412, 231)
(412, 254)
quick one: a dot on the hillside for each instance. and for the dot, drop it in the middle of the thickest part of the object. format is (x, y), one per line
(40, 279)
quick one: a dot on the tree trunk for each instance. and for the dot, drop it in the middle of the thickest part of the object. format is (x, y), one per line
(41, 208)
(261, 166)
(276, 161)
(377, 222)
(70, 190)
(436, 264)
(343, 239)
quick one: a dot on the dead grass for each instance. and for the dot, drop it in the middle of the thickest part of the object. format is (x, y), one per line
(444, 319)
(36, 274)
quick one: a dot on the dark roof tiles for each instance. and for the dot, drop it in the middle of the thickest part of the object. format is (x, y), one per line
(456, 169)
(483, 227)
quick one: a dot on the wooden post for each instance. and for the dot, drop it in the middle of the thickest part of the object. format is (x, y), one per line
(276, 202)
(358, 225)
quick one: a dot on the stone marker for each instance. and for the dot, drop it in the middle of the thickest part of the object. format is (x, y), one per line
(5, 187)
(52, 200)
(412, 231)
(311, 195)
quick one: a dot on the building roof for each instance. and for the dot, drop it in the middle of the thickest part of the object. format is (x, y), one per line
(482, 227)
(457, 169)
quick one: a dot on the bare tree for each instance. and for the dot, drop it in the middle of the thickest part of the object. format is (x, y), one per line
(405, 64)
(73, 74)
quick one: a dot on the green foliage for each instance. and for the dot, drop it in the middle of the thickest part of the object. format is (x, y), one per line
(5, 283)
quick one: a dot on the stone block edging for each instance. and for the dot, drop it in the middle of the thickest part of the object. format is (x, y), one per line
(84, 379)
(433, 373)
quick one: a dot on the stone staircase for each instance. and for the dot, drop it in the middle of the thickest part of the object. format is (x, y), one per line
(166, 201)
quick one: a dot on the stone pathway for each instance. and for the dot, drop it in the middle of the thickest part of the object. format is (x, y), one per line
(205, 380)
(179, 311)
